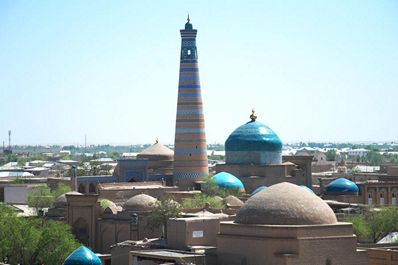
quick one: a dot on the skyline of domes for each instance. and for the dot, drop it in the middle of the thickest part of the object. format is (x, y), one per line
(285, 204)
(253, 143)
(342, 186)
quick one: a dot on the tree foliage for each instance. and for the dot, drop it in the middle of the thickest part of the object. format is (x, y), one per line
(374, 225)
(43, 197)
(201, 200)
(331, 155)
(210, 188)
(164, 209)
(28, 241)
(374, 158)
(61, 189)
(40, 198)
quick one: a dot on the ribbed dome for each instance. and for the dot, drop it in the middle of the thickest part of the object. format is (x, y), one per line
(254, 143)
(157, 151)
(140, 203)
(258, 190)
(82, 256)
(342, 186)
(285, 204)
(61, 202)
(228, 181)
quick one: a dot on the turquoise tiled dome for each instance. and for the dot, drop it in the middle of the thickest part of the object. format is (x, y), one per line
(253, 143)
(228, 181)
(82, 256)
(342, 186)
(253, 136)
(258, 190)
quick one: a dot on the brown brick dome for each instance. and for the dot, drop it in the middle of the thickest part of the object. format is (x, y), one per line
(157, 151)
(60, 201)
(285, 204)
(140, 203)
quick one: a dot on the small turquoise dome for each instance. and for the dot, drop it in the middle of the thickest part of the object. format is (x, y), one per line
(342, 186)
(307, 189)
(82, 256)
(253, 143)
(258, 190)
(228, 181)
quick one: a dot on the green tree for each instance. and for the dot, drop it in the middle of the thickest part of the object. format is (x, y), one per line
(210, 188)
(331, 155)
(201, 200)
(374, 158)
(374, 225)
(28, 241)
(164, 209)
(43, 197)
(11, 158)
(21, 161)
(40, 198)
(17, 181)
(56, 242)
(61, 189)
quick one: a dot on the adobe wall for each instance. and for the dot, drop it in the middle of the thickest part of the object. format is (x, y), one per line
(184, 232)
(293, 245)
(254, 176)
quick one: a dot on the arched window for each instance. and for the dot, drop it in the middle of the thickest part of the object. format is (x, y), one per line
(370, 198)
(394, 197)
(382, 202)
(80, 229)
(82, 188)
(91, 188)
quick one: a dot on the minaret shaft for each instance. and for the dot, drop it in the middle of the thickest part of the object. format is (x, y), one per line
(190, 148)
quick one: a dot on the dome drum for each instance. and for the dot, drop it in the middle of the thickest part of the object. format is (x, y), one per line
(254, 157)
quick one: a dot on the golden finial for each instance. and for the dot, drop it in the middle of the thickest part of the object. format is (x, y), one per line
(253, 116)
(157, 140)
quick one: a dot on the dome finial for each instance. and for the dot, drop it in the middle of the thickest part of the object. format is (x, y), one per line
(253, 116)
(157, 140)
(188, 18)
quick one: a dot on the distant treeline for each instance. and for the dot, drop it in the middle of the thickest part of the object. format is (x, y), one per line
(217, 147)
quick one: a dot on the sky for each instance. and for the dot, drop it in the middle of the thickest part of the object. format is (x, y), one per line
(324, 71)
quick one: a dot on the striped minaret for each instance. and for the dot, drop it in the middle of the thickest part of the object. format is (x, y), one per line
(190, 149)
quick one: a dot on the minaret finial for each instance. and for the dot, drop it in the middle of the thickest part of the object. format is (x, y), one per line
(157, 140)
(188, 18)
(253, 116)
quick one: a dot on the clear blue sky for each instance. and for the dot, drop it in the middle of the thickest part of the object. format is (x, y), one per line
(314, 70)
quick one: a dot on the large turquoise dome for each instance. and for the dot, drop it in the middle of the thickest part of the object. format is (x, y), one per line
(82, 256)
(342, 186)
(253, 143)
(228, 181)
